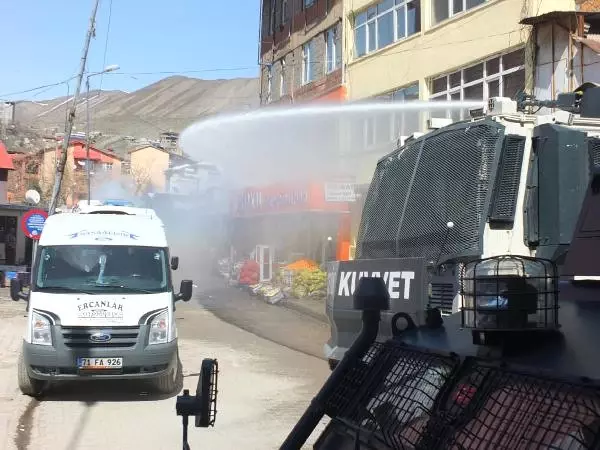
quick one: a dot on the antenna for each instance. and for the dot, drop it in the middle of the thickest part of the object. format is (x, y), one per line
(449, 226)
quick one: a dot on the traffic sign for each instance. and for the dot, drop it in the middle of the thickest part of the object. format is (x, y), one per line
(32, 223)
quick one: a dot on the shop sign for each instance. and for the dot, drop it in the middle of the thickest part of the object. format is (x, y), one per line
(340, 192)
(263, 201)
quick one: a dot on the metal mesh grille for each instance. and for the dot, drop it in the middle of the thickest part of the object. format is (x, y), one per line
(500, 409)
(442, 296)
(405, 398)
(594, 151)
(407, 210)
(504, 201)
(391, 393)
(382, 214)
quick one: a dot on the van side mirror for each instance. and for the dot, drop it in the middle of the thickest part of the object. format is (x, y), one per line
(185, 290)
(174, 262)
(16, 292)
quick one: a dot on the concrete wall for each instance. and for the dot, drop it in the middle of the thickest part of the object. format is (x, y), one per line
(148, 165)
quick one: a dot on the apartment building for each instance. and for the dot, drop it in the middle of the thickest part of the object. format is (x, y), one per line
(301, 51)
(403, 50)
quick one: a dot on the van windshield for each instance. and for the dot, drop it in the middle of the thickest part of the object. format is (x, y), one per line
(99, 269)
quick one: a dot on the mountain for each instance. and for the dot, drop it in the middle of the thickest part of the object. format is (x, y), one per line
(116, 117)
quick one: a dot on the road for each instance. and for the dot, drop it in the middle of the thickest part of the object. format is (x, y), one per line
(263, 387)
(286, 327)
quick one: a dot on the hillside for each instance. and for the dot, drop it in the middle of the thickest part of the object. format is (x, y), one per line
(169, 104)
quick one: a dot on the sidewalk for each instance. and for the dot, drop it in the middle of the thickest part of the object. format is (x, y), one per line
(12, 402)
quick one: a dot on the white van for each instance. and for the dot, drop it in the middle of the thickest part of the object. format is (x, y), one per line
(101, 301)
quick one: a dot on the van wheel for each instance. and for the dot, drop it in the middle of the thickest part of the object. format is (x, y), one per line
(171, 382)
(27, 385)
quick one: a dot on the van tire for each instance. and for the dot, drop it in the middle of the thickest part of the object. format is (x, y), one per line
(170, 382)
(29, 386)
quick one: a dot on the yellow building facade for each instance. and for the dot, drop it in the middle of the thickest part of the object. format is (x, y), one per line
(446, 50)
(480, 47)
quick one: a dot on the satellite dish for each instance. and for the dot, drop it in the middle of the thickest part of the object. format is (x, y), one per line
(32, 196)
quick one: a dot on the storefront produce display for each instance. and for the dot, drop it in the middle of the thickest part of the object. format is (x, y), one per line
(249, 273)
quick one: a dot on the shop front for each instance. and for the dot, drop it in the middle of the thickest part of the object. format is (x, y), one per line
(279, 224)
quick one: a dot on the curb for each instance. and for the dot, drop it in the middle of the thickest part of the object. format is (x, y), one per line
(321, 317)
(285, 303)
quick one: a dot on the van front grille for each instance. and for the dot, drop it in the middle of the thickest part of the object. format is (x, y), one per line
(81, 337)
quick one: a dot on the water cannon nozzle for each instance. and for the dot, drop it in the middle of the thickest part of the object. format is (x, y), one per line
(371, 295)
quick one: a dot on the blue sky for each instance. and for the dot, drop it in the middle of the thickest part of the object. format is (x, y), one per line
(43, 40)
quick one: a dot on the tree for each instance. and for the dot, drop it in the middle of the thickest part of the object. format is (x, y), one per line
(142, 179)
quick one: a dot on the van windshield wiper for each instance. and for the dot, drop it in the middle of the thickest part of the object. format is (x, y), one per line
(64, 289)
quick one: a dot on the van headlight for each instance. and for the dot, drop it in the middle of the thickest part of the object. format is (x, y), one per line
(159, 328)
(41, 331)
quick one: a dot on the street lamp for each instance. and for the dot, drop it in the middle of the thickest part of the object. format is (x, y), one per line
(110, 68)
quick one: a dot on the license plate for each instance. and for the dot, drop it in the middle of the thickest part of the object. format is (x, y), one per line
(99, 363)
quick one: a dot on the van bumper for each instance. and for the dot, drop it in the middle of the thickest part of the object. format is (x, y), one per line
(139, 362)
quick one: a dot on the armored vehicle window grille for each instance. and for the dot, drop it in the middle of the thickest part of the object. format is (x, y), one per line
(382, 213)
(506, 410)
(407, 398)
(392, 393)
(504, 201)
(407, 210)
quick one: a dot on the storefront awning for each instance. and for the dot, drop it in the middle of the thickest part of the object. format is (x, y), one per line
(5, 160)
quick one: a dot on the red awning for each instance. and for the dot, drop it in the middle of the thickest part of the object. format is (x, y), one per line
(80, 153)
(5, 160)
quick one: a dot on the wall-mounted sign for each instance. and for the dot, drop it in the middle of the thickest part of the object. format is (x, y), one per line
(340, 192)
(284, 198)
(32, 223)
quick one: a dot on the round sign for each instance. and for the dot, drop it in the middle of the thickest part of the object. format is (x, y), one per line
(32, 223)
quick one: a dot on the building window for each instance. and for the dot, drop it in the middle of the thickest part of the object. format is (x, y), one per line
(283, 89)
(308, 55)
(284, 11)
(444, 9)
(387, 22)
(106, 167)
(501, 76)
(308, 3)
(84, 163)
(386, 128)
(332, 50)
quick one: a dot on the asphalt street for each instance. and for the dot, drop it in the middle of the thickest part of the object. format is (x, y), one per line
(268, 375)
(275, 323)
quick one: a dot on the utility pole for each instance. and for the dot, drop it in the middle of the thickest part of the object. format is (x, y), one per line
(60, 169)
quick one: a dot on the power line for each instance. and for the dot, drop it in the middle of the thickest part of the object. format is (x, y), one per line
(180, 72)
(233, 69)
(51, 85)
